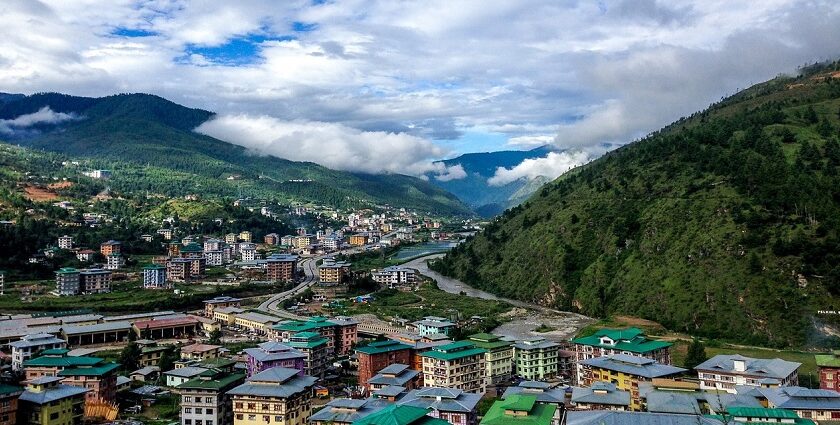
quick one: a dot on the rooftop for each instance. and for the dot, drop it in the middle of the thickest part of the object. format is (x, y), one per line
(630, 339)
(453, 351)
(633, 365)
(763, 368)
(442, 399)
(602, 417)
(382, 347)
(218, 382)
(519, 409)
(400, 415)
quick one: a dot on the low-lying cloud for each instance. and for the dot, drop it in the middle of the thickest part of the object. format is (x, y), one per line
(550, 166)
(44, 115)
(333, 145)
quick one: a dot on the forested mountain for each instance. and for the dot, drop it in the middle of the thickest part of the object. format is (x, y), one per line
(149, 130)
(725, 224)
(473, 189)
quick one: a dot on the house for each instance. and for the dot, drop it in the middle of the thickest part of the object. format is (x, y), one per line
(394, 375)
(726, 371)
(110, 247)
(829, 367)
(219, 302)
(498, 357)
(314, 347)
(154, 277)
(145, 374)
(274, 354)
(394, 276)
(629, 341)
(273, 396)
(545, 394)
(46, 401)
(815, 404)
(345, 411)
(626, 372)
(434, 325)
(519, 409)
(205, 398)
(600, 396)
(402, 415)
(9, 395)
(200, 351)
(30, 345)
(98, 376)
(379, 355)
(85, 255)
(452, 405)
(536, 359)
(457, 365)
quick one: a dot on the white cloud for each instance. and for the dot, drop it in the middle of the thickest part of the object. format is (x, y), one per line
(44, 115)
(531, 141)
(551, 166)
(332, 145)
(448, 173)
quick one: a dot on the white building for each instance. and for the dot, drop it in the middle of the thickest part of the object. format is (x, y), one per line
(394, 276)
(65, 242)
(726, 371)
(30, 345)
(114, 262)
(214, 258)
(213, 245)
(154, 277)
(247, 251)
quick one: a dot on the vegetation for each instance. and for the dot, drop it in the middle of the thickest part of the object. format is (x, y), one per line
(696, 354)
(543, 328)
(725, 224)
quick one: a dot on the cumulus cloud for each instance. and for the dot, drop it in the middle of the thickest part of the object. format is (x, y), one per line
(551, 166)
(534, 141)
(333, 145)
(44, 115)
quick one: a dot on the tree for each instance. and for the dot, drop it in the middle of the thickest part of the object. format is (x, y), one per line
(130, 356)
(696, 354)
(215, 337)
(167, 360)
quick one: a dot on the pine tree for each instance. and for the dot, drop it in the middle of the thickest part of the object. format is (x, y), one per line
(130, 356)
(696, 354)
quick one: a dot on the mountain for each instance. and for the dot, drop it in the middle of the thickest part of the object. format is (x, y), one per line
(725, 224)
(152, 131)
(473, 189)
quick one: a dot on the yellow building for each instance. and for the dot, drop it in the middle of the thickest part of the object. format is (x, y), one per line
(47, 401)
(331, 271)
(626, 372)
(359, 240)
(458, 365)
(255, 322)
(498, 357)
(274, 396)
(226, 315)
(245, 236)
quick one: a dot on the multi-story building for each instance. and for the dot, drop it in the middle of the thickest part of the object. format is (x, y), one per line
(726, 371)
(626, 372)
(271, 239)
(154, 277)
(274, 354)
(346, 411)
(600, 396)
(205, 399)
(498, 357)
(214, 258)
(536, 359)
(314, 346)
(95, 281)
(394, 276)
(822, 406)
(434, 325)
(247, 251)
(379, 355)
(333, 272)
(178, 270)
(346, 334)
(191, 250)
(341, 332)
(9, 395)
(449, 404)
(213, 244)
(110, 247)
(67, 281)
(274, 396)
(114, 261)
(30, 345)
(281, 268)
(519, 409)
(630, 341)
(829, 367)
(457, 365)
(2, 282)
(544, 393)
(220, 302)
(360, 239)
(331, 243)
(255, 322)
(174, 249)
(403, 415)
(65, 242)
(166, 233)
(395, 375)
(199, 351)
(230, 238)
(47, 401)
(95, 374)
(303, 241)
(245, 236)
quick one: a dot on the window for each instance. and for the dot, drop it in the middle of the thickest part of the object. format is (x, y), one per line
(252, 417)
(188, 410)
(198, 411)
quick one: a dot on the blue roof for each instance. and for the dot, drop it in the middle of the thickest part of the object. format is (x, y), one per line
(633, 365)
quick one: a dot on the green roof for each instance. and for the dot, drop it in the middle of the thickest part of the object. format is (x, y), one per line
(312, 339)
(760, 412)
(630, 339)
(827, 360)
(219, 383)
(382, 347)
(9, 389)
(537, 414)
(488, 341)
(99, 370)
(400, 415)
(153, 267)
(64, 361)
(313, 323)
(192, 247)
(66, 270)
(455, 350)
(55, 352)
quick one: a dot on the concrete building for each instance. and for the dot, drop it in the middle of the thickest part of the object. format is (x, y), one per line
(626, 372)
(600, 396)
(379, 355)
(213, 244)
(281, 268)
(629, 341)
(519, 409)
(822, 406)
(273, 396)
(498, 357)
(434, 325)
(9, 395)
(274, 354)
(220, 302)
(95, 281)
(65, 242)
(154, 277)
(457, 365)
(245, 236)
(247, 251)
(176, 327)
(47, 401)
(360, 239)
(114, 261)
(345, 411)
(67, 281)
(2, 282)
(394, 276)
(449, 404)
(271, 239)
(199, 351)
(346, 334)
(30, 345)
(110, 247)
(100, 333)
(179, 375)
(726, 371)
(333, 272)
(205, 399)
(829, 369)
(314, 346)
(397, 375)
(545, 393)
(536, 359)
(214, 258)
(258, 323)
(341, 332)
(96, 375)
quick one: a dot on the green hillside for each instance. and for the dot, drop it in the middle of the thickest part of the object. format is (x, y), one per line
(147, 130)
(725, 224)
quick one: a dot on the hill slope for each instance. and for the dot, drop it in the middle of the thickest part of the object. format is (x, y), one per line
(725, 224)
(473, 189)
(149, 130)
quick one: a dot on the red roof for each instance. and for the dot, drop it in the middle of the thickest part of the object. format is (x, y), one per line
(165, 323)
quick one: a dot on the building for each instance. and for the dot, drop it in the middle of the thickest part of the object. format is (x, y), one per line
(360, 239)
(255, 322)
(626, 372)
(341, 332)
(519, 409)
(199, 351)
(2, 282)
(600, 396)
(110, 247)
(30, 345)
(9, 395)
(457, 365)
(630, 341)
(536, 359)
(247, 251)
(498, 357)
(95, 281)
(47, 401)
(434, 325)
(213, 244)
(205, 398)
(394, 276)
(346, 334)
(726, 371)
(226, 315)
(179, 375)
(452, 405)
(154, 277)
(176, 327)
(829, 367)
(67, 281)
(114, 261)
(273, 396)
(100, 333)
(345, 411)
(818, 405)
(214, 258)
(165, 233)
(274, 354)
(245, 236)
(96, 375)
(178, 270)
(398, 375)
(281, 268)
(379, 355)
(545, 394)
(612, 417)
(314, 346)
(220, 302)
(65, 242)
(271, 239)
(333, 272)
(303, 241)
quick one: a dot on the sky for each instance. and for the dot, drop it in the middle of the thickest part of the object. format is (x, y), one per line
(392, 86)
